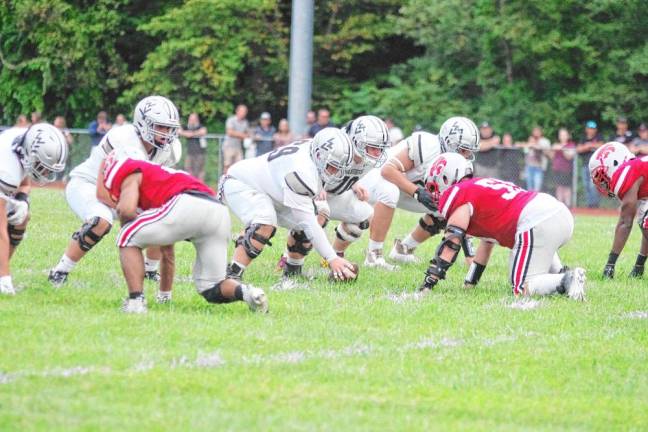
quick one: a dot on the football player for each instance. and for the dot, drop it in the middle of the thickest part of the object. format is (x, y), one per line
(153, 136)
(159, 206)
(278, 189)
(533, 225)
(400, 184)
(39, 154)
(617, 173)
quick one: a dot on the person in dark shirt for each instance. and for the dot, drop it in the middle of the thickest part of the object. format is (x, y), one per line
(586, 147)
(196, 146)
(263, 134)
(323, 121)
(622, 134)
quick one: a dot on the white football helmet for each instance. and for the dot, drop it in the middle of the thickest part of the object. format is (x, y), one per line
(446, 170)
(332, 152)
(154, 112)
(369, 131)
(459, 133)
(43, 152)
(604, 163)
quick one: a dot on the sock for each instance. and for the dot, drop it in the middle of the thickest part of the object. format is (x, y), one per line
(164, 294)
(151, 264)
(409, 242)
(240, 292)
(65, 264)
(295, 261)
(641, 260)
(241, 266)
(374, 245)
(135, 295)
(545, 284)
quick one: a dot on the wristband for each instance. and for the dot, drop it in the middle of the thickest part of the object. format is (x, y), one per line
(474, 273)
(21, 196)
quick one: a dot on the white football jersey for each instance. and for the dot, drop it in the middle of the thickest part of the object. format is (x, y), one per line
(12, 172)
(421, 147)
(288, 175)
(123, 137)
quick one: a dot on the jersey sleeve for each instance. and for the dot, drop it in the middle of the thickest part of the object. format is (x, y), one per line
(624, 181)
(116, 170)
(422, 148)
(450, 199)
(8, 185)
(300, 184)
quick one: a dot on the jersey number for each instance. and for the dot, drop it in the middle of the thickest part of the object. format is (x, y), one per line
(283, 151)
(510, 189)
(345, 184)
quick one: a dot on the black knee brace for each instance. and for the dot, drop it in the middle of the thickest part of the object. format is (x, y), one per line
(302, 244)
(15, 235)
(85, 234)
(251, 233)
(214, 295)
(435, 227)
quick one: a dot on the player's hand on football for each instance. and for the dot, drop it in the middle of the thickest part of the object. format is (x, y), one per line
(425, 198)
(341, 269)
(361, 192)
(17, 212)
(6, 286)
(608, 271)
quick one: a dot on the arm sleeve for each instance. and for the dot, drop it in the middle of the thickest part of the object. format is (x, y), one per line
(314, 232)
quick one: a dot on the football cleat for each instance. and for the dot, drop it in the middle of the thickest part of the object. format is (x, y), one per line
(374, 258)
(134, 306)
(152, 275)
(255, 299)
(576, 284)
(57, 278)
(403, 254)
(637, 271)
(163, 297)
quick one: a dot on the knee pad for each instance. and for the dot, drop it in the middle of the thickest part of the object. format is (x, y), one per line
(435, 227)
(251, 233)
(15, 235)
(302, 244)
(85, 234)
(352, 232)
(214, 295)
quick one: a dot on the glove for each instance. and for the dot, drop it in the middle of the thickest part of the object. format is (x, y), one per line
(17, 212)
(6, 286)
(608, 271)
(424, 197)
(637, 271)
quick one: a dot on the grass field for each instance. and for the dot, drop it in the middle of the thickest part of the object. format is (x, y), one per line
(363, 356)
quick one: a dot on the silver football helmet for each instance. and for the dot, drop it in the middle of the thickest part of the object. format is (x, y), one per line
(44, 152)
(370, 138)
(157, 121)
(459, 133)
(332, 152)
(446, 170)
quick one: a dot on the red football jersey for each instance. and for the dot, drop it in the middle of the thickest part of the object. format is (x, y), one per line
(495, 206)
(159, 184)
(627, 174)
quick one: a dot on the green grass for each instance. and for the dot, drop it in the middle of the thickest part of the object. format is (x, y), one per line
(363, 356)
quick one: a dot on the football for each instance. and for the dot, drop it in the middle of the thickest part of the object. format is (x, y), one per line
(355, 270)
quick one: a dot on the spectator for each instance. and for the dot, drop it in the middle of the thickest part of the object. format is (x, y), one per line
(21, 121)
(323, 121)
(59, 122)
(639, 145)
(395, 133)
(120, 120)
(510, 158)
(36, 117)
(535, 161)
(263, 134)
(283, 136)
(562, 164)
(311, 118)
(196, 146)
(487, 156)
(585, 148)
(236, 130)
(622, 134)
(99, 127)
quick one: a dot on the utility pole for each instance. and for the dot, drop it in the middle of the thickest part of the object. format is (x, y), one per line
(301, 64)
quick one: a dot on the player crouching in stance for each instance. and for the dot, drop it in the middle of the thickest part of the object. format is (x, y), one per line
(277, 189)
(175, 207)
(38, 153)
(617, 173)
(533, 225)
(153, 135)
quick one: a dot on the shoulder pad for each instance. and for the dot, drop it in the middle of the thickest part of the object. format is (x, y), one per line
(298, 185)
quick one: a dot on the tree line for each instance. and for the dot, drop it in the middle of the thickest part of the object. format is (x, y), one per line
(516, 63)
